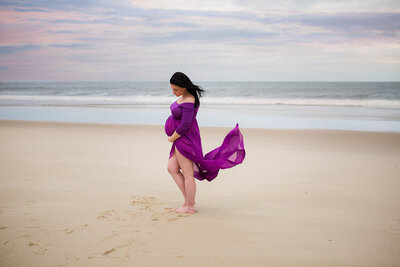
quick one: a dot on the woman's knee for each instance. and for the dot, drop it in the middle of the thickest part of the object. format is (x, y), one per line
(173, 165)
(172, 169)
(187, 172)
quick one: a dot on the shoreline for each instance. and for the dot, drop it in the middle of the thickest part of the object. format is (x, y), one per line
(98, 124)
(268, 117)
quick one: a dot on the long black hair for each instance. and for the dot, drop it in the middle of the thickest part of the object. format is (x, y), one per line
(180, 79)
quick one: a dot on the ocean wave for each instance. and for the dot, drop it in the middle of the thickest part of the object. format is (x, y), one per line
(167, 100)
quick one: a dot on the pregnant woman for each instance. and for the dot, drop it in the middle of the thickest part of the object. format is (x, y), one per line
(186, 152)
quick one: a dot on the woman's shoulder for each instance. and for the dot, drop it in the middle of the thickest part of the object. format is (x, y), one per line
(189, 100)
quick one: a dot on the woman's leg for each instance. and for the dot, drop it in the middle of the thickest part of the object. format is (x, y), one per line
(174, 170)
(190, 184)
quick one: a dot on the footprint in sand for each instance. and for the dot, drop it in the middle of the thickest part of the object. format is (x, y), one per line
(117, 248)
(156, 208)
(105, 253)
(117, 215)
(71, 259)
(145, 210)
(68, 231)
(37, 249)
(169, 216)
(71, 230)
(143, 207)
(116, 252)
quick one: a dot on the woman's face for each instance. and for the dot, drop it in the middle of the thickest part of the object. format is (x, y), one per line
(177, 90)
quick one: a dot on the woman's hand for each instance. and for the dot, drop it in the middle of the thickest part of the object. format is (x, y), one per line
(173, 137)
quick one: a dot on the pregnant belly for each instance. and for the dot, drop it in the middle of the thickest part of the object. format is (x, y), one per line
(170, 125)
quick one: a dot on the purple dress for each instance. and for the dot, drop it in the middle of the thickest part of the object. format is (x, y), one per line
(183, 121)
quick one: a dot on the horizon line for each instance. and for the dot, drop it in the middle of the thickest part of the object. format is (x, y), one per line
(166, 81)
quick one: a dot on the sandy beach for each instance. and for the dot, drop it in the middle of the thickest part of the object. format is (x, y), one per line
(100, 195)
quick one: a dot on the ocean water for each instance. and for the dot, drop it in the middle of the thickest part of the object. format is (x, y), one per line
(361, 106)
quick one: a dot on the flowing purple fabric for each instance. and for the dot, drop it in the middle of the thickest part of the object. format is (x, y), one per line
(183, 121)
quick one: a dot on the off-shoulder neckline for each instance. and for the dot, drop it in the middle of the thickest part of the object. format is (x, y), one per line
(183, 103)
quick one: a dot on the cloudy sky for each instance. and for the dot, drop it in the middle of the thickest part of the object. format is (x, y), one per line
(210, 40)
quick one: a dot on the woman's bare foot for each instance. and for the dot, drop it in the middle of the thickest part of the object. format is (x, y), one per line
(185, 209)
(181, 209)
(190, 210)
